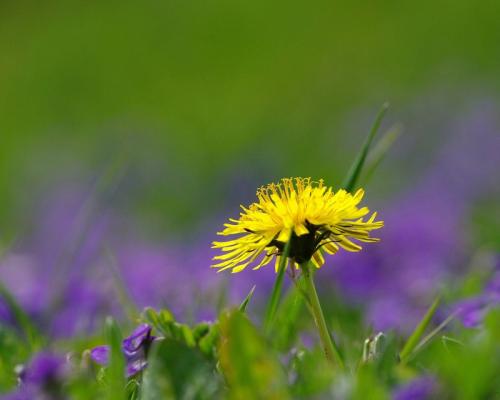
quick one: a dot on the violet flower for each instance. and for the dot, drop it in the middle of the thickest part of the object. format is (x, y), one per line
(472, 310)
(421, 388)
(42, 378)
(135, 349)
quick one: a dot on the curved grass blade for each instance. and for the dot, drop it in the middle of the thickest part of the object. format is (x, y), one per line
(414, 339)
(380, 150)
(31, 334)
(272, 306)
(357, 166)
(244, 303)
(433, 334)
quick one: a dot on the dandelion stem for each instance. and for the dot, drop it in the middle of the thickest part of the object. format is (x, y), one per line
(331, 351)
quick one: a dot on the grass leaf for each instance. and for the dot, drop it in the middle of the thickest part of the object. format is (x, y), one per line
(115, 372)
(357, 166)
(272, 306)
(380, 150)
(414, 338)
(244, 303)
(30, 332)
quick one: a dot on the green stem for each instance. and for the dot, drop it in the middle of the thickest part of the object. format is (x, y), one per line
(331, 351)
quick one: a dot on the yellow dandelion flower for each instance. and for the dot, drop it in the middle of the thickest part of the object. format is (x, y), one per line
(307, 213)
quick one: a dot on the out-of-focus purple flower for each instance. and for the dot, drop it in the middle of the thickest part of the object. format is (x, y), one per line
(45, 369)
(42, 378)
(418, 389)
(135, 349)
(471, 311)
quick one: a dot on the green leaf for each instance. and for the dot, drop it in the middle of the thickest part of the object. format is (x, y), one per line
(159, 320)
(209, 342)
(277, 287)
(163, 321)
(414, 338)
(244, 303)
(176, 371)
(314, 373)
(251, 369)
(357, 166)
(115, 372)
(287, 327)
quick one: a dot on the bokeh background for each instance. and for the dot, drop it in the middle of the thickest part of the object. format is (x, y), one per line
(130, 131)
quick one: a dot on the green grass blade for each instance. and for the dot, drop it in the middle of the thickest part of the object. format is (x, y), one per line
(433, 333)
(272, 306)
(357, 166)
(116, 370)
(414, 339)
(244, 303)
(31, 334)
(122, 292)
(380, 150)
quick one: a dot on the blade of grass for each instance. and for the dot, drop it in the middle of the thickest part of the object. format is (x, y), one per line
(380, 150)
(244, 303)
(414, 338)
(357, 166)
(116, 370)
(31, 334)
(272, 306)
(433, 333)
(123, 295)
(105, 185)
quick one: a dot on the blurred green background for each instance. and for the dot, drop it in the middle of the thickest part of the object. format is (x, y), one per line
(201, 94)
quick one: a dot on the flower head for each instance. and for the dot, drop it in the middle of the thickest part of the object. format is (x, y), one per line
(308, 214)
(135, 348)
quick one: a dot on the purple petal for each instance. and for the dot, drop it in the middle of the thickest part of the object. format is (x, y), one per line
(417, 389)
(471, 311)
(44, 367)
(136, 366)
(100, 354)
(132, 343)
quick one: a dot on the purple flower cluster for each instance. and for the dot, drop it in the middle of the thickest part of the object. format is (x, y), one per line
(42, 378)
(135, 349)
(471, 311)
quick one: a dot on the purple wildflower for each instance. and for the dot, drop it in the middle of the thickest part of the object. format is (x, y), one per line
(418, 389)
(471, 311)
(135, 349)
(42, 378)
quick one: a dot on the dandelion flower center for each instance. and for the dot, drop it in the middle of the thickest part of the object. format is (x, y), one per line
(310, 215)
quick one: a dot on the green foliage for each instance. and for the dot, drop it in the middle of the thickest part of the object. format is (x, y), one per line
(273, 303)
(244, 303)
(313, 374)
(115, 372)
(204, 335)
(29, 332)
(419, 331)
(178, 371)
(250, 367)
